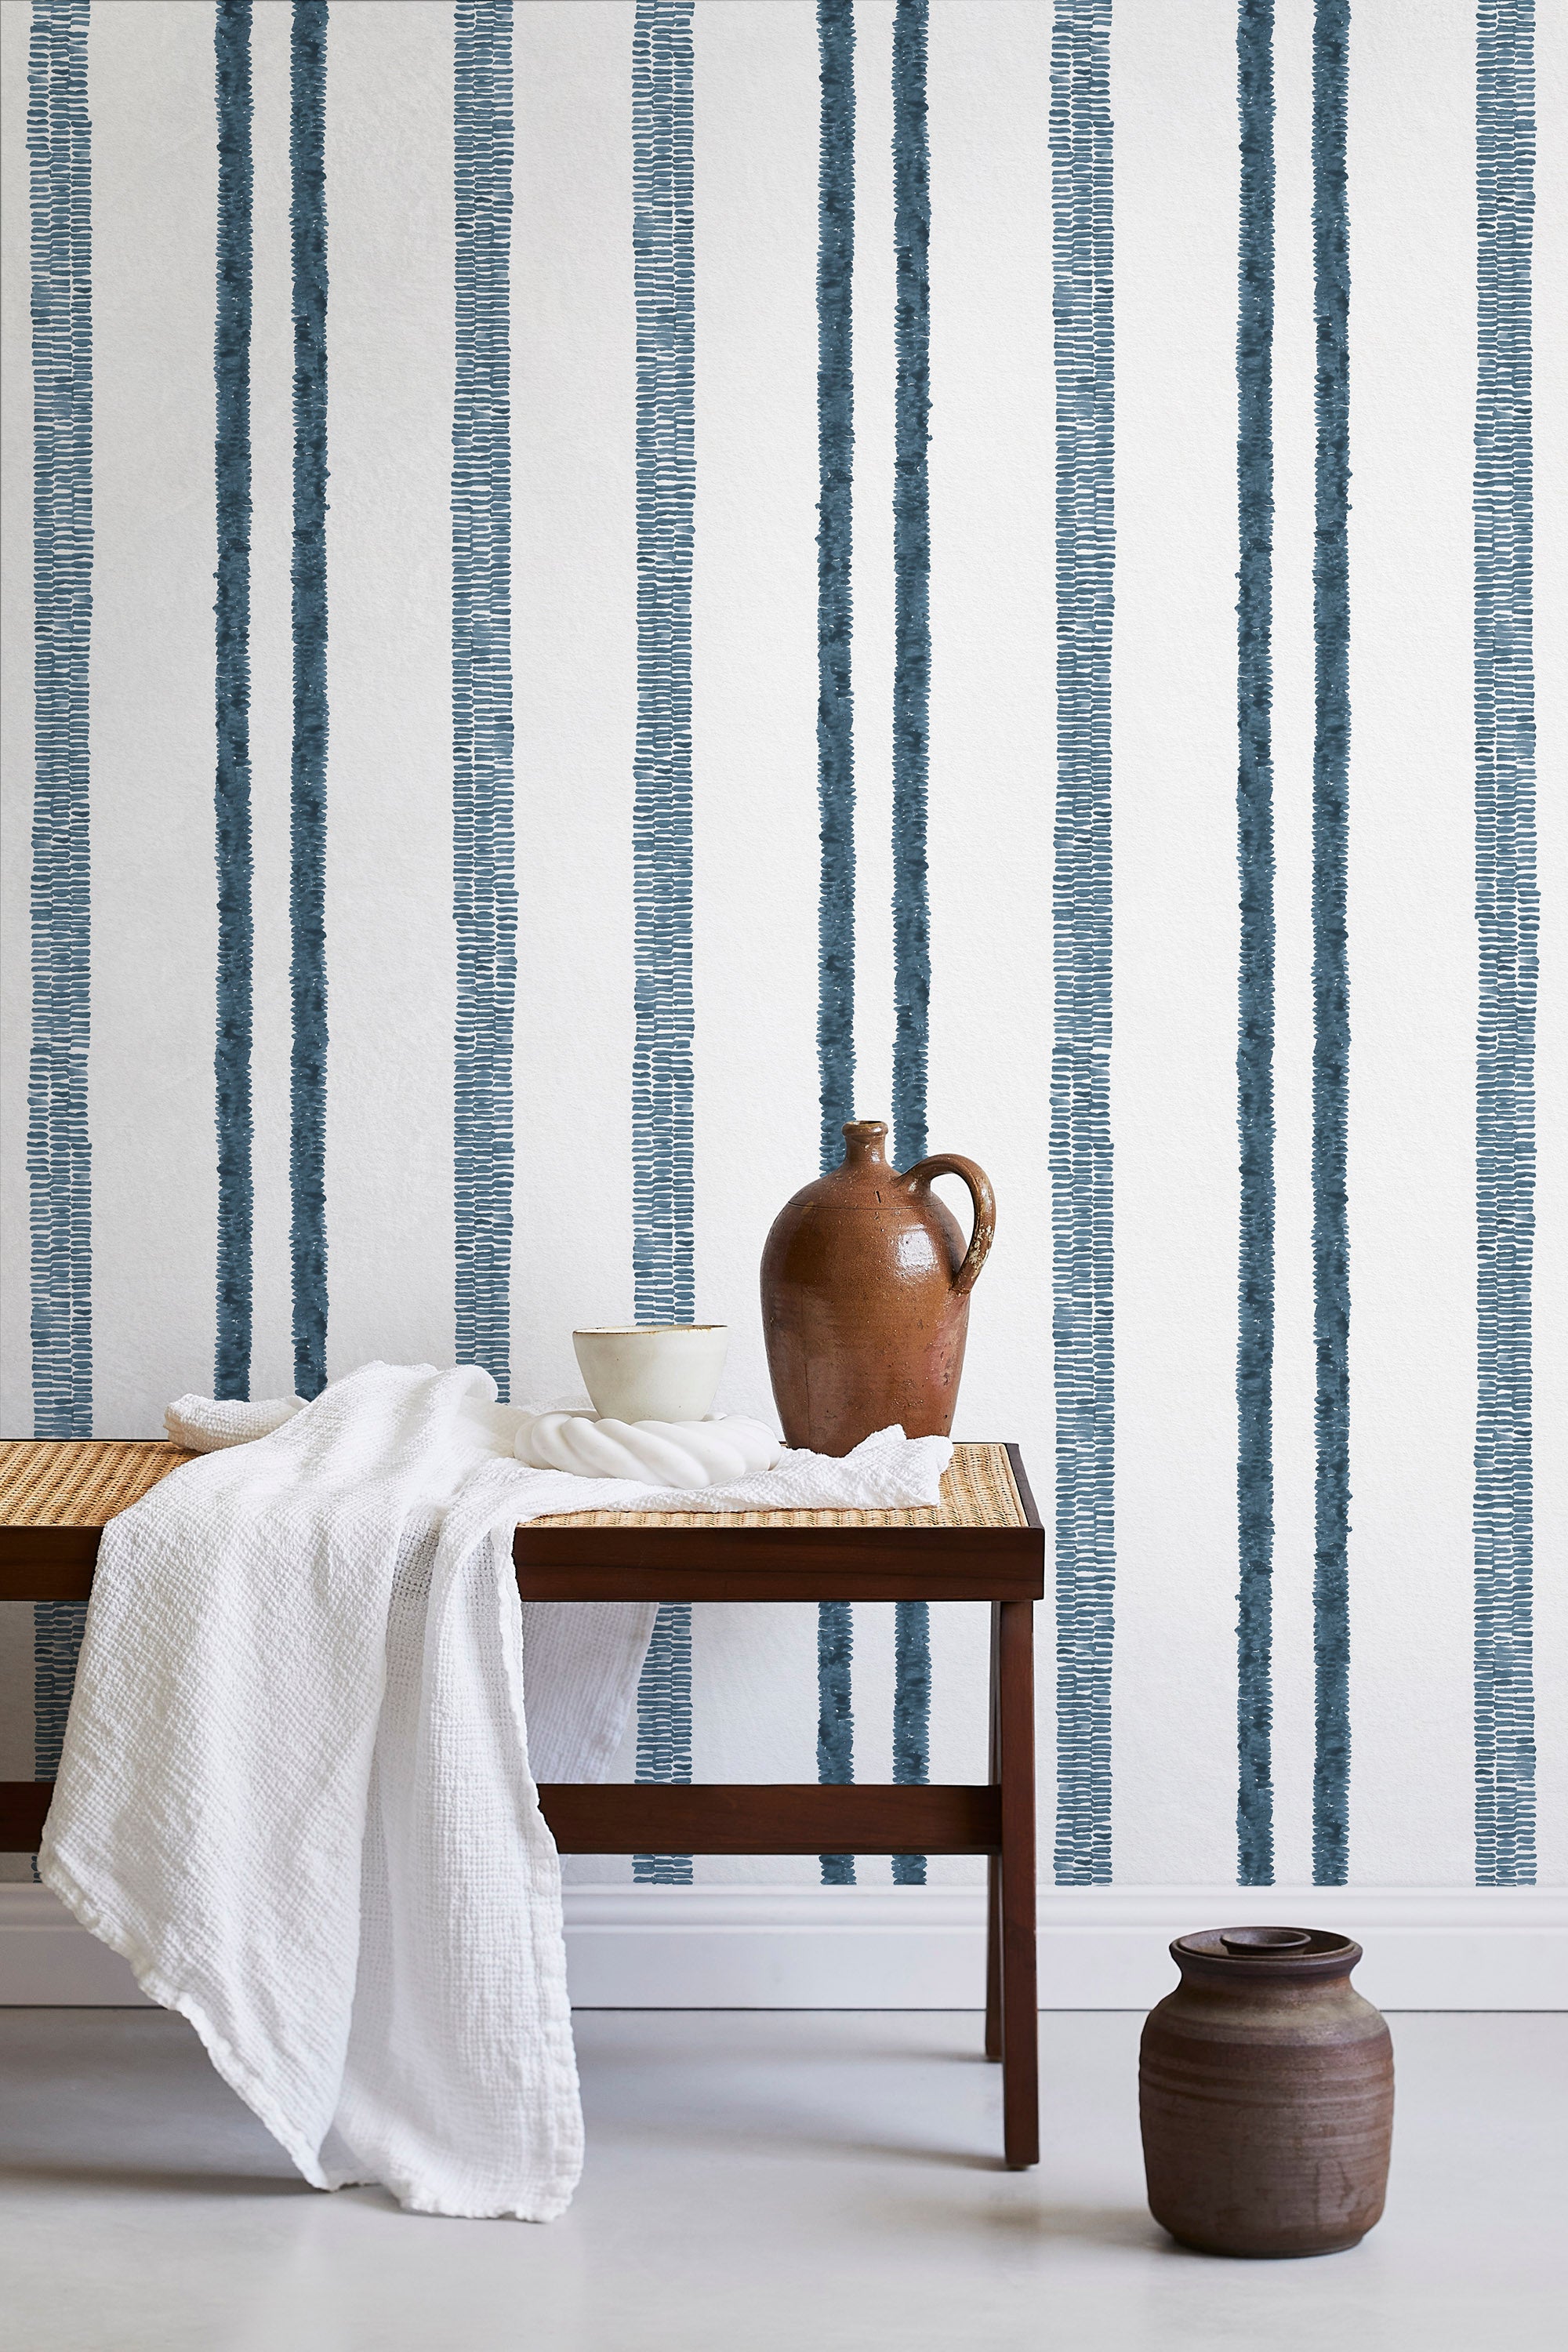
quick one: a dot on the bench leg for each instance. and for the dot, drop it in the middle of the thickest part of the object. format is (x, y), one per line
(1014, 1684)
(993, 1958)
(993, 1870)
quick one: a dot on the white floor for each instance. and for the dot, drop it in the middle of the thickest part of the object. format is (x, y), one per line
(765, 2182)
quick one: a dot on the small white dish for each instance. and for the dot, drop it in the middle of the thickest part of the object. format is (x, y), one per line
(653, 1371)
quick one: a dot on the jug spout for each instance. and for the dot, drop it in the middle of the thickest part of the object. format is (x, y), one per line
(864, 1143)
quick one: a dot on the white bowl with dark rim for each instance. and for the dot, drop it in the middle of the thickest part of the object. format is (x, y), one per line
(653, 1371)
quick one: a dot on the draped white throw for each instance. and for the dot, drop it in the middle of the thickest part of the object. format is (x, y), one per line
(296, 1791)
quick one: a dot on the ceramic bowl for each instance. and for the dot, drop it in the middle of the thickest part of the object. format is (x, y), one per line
(653, 1371)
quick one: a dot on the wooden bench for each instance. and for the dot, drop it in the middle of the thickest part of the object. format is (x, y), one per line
(983, 1542)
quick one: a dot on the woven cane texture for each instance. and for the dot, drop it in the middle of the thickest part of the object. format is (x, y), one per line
(78, 1482)
(977, 1491)
(84, 1481)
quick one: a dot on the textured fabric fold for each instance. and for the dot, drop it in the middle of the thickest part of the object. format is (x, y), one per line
(298, 1791)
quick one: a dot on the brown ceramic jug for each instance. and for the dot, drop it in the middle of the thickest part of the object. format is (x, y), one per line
(1266, 2092)
(865, 1284)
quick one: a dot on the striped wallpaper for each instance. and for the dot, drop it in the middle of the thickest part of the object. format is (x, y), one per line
(609, 587)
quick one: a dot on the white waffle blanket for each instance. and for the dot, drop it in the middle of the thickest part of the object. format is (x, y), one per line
(295, 1790)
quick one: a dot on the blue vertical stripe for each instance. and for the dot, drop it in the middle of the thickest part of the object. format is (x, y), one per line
(912, 583)
(57, 1628)
(911, 1716)
(308, 780)
(1508, 914)
(1081, 1205)
(664, 1728)
(666, 345)
(231, 1364)
(836, 471)
(1331, 967)
(663, 1204)
(911, 741)
(1255, 1011)
(835, 1714)
(484, 885)
(1083, 932)
(58, 1168)
(835, 747)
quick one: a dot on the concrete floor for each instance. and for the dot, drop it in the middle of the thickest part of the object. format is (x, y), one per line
(764, 2182)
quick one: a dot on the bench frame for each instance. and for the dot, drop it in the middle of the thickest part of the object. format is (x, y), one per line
(1003, 1566)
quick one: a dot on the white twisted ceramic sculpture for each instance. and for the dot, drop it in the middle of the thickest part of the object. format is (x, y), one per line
(655, 1453)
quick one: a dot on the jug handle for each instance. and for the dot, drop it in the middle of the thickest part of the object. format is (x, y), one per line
(947, 1163)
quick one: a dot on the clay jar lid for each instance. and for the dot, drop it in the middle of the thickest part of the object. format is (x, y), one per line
(1292, 1955)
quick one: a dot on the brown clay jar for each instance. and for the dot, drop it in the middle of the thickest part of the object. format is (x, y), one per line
(1266, 2092)
(865, 1284)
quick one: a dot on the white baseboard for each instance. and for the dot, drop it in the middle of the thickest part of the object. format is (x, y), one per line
(922, 1948)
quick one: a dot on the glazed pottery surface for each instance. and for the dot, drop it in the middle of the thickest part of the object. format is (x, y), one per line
(1265, 2094)
(653, 1371)
(865, 1284)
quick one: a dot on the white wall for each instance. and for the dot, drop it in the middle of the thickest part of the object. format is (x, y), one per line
(389, 928)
